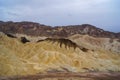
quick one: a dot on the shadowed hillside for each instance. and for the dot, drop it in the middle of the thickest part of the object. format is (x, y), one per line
(66, 42)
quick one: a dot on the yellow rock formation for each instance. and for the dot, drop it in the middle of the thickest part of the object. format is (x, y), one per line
(17, 58)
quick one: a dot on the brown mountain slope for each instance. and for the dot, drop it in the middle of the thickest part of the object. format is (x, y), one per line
(36, 29)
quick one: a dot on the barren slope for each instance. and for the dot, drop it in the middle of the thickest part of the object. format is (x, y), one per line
(17, 58)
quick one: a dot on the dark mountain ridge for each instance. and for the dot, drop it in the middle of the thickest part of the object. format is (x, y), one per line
(36, 29)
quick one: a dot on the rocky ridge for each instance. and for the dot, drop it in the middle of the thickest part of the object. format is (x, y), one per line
(36, 29)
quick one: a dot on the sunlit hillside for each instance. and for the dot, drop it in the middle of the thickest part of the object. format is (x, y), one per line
(17, 58)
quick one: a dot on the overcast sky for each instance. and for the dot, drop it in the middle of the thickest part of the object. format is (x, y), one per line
(104, 14)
